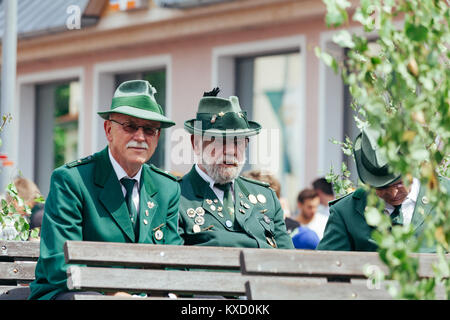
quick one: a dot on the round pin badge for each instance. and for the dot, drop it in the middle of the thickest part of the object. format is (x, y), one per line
(196, 228)
(199, 220)
(213, 207)
(425, 200)
(261, 198)
(190, 212)
(252, 198)
(159, 234)
(200, 211)
(266, 219)
(228, 223)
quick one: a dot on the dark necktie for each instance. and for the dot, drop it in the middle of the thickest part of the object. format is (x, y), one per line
(129, 185)
(228, 204)
(396, 216)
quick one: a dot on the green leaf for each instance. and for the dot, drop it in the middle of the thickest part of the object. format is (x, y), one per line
(344, 39)
(416, 33)
(336, 13)
(373, 217)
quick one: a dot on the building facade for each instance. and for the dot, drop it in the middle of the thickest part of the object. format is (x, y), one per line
(260, 50)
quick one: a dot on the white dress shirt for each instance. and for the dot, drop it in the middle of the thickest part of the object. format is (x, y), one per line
(122, 174)
(219, 193)
(408, 205)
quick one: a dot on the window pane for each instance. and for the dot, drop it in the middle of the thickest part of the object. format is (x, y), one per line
(269, 89)
(57, 111)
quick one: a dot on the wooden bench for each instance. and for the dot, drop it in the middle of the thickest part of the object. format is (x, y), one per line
(17, 263)
(282, 274)
(154, 269)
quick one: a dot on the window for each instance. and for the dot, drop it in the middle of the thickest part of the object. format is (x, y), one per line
(57, 109)
(157, 79)
(268, 87)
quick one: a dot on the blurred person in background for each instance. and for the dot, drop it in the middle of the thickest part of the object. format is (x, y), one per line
(325, 192)
(307, 203)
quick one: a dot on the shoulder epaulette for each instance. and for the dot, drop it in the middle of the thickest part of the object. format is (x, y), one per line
(79, 162)
(261, 183)
(359, 193)
(164, 173)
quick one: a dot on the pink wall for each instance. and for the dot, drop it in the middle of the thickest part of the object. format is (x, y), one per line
(192, 69)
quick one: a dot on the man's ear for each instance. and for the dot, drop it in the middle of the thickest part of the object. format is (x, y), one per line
(107, 127)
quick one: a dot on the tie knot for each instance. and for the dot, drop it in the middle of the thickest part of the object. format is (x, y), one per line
(224, 187)
(128, 184)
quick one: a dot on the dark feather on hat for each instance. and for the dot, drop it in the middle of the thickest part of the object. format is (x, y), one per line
(212, 93)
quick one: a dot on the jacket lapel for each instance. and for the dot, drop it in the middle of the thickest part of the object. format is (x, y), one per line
(421, 210)
(242, 207)
(148, 206)
(111, 195)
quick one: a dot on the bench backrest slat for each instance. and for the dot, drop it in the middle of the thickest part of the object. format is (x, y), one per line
(23, 249)
(145, 255)
(320, 263)
(294, 289)
(161, 281)
(19, 270)
(155, 281)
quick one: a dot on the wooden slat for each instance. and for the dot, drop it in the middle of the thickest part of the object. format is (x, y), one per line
(26, 249)
(149, 255)
(4, 289)
(295, 289)
(20, 270)
(320, 263)
(155, 281)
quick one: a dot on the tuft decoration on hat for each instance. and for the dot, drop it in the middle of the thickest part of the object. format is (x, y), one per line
(213, 93)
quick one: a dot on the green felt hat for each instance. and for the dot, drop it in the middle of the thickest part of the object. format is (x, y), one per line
(136, 98)
(371, 165)
(221, 117)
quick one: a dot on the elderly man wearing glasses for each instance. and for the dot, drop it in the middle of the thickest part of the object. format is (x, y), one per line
(113, 195)
(406, 202)
(218, 207)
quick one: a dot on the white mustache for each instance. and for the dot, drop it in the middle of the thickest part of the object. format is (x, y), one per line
(135, 144)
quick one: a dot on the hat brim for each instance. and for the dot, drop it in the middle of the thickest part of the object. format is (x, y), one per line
(366, 176)
(254, 129)
(139, 113)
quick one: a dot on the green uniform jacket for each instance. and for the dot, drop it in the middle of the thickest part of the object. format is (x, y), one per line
(256, 225)
(347, 229)
(86, 202)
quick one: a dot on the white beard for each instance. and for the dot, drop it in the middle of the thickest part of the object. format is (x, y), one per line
(221, 174)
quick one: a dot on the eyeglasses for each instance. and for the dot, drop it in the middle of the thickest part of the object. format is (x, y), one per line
(132, 127)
